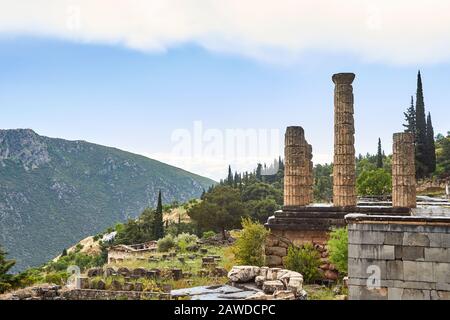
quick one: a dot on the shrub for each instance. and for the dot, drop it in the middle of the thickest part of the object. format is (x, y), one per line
(374, 183)
(305, 260)
(249, 247)
(184, 240)
(338, 249)
(208, 234)
(58, 278)
(166, 243)
(187, 238)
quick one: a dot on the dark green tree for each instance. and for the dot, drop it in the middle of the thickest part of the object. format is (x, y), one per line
(410, 118)
(259, 172)
(431, 146)
(280, 164)
(230, 177)
(236, 180)
(323, 183)
(379, 155)
(421, 132)
(6, 279)
(443, 156)
(221, 209)
(159, 223)
(203, 194)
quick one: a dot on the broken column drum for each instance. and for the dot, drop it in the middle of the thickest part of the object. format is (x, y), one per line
(403, 171)
(344, 168)
(298, 175)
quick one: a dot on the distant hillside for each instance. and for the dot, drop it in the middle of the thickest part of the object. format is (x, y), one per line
(54, 192)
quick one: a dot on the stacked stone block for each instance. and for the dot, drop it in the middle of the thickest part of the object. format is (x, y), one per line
(344, 169)
(403, 171)
(298, 174)
(398, 258)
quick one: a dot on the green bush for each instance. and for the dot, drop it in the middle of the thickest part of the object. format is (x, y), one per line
(338, 249)
(305, 260)
(58, 278)
(187, 238)
(249, 247)
(166, 243)
(184, 240)
(375, 182)
(208, 235)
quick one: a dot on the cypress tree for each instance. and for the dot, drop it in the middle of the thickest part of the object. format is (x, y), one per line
(230, 177)
(410, 118)
(259, 172)
(158, 228)
(379, 155)
(431, 146)
(235, 180)
(421, 132)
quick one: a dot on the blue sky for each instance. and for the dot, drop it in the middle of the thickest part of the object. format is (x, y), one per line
(115, 95)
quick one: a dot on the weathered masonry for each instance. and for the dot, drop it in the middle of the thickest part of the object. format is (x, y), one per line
(403, 171)
(299, 222)
(398, 257)
(298, 172)
(344, 167)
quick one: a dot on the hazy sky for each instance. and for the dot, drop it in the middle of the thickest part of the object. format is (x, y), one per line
(176, 80)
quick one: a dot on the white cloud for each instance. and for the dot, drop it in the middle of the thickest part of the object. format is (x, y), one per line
(400, 31)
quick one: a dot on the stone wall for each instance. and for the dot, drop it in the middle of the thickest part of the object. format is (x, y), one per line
(398, 258)
(82, 294)
(278, 242)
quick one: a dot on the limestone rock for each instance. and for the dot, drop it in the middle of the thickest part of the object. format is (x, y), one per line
(101, 285)
(284, 295)
(84, 282)
(295, 284)
(95, 272)
(276, 251)
(274, 261)
(259, 281)
(128, 286)
(220, 272)
(139, 273)
(271, 286)
(138, 286)
(243, 274)
(116, 285)
(110, 272)
(259, 296)
(124, 272)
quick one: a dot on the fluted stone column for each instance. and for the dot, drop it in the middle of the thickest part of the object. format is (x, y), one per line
(344, 168)
(403, 171)
(298, 171)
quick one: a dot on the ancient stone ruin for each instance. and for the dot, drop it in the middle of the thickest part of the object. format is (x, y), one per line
(344, 166)
(298, 172)
(298, 222)
(403, 171)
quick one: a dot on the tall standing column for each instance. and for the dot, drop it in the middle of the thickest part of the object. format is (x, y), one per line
(403, 171)
(298, 174)
(344, 167)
